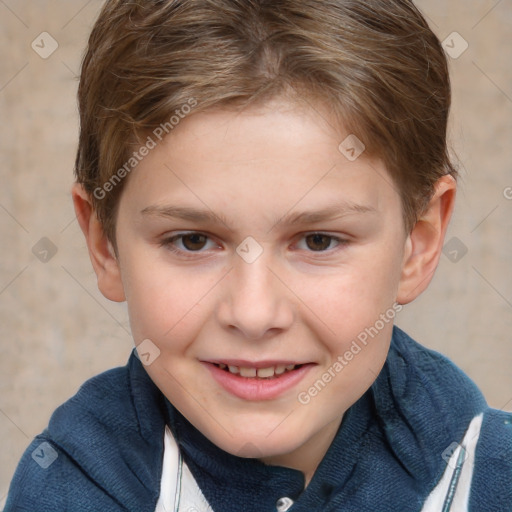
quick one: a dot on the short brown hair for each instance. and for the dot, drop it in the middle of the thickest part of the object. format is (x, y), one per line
(375, 63)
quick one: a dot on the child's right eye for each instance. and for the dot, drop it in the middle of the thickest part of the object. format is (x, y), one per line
(190, 242)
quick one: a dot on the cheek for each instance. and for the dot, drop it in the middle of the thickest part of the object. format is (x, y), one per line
(164, 304)
(353, 326)
(352, 298)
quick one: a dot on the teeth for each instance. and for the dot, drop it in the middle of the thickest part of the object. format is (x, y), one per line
(247, 372)
(262, 373)
(280, 369)
(266, 372)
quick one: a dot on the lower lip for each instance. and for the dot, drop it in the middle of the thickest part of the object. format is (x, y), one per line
(249, 388)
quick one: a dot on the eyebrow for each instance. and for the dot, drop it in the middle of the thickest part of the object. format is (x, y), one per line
(184, 213)
(293, 218)
(328, 213)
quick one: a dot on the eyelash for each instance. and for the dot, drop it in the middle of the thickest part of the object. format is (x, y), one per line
(168, 243)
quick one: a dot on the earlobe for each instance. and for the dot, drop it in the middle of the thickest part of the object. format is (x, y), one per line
(103, 258)
(425, 242)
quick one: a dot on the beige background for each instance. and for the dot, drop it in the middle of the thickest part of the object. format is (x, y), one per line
(57, 330)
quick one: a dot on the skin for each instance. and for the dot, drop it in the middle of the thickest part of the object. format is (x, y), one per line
(304, 298)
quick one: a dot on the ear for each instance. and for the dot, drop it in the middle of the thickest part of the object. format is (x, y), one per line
(425, 242)
(101, 252)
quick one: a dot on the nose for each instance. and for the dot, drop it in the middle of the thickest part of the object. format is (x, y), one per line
(256, 302)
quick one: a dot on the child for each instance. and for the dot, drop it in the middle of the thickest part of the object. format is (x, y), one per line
(266, 183)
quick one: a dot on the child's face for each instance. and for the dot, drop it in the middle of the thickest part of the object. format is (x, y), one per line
(303, 300)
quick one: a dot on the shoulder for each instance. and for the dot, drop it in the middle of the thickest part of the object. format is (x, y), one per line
(423, 403)
(100, 450)
(96, 405)
(48, 479)
(428, 381)
(440, 402)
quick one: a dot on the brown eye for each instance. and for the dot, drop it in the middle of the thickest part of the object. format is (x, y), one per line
(194, 241)
(189, 245)
(318, 242)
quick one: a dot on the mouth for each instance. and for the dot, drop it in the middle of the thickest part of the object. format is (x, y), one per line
(254, 381)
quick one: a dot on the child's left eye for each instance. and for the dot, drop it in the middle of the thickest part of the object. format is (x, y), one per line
(320, 242)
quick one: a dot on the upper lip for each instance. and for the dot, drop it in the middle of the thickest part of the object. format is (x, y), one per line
(254, 364)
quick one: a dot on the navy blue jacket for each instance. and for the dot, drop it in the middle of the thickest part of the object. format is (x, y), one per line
(104, 448)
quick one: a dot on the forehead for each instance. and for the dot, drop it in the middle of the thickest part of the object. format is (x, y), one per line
(285, 129)
(275, 156)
